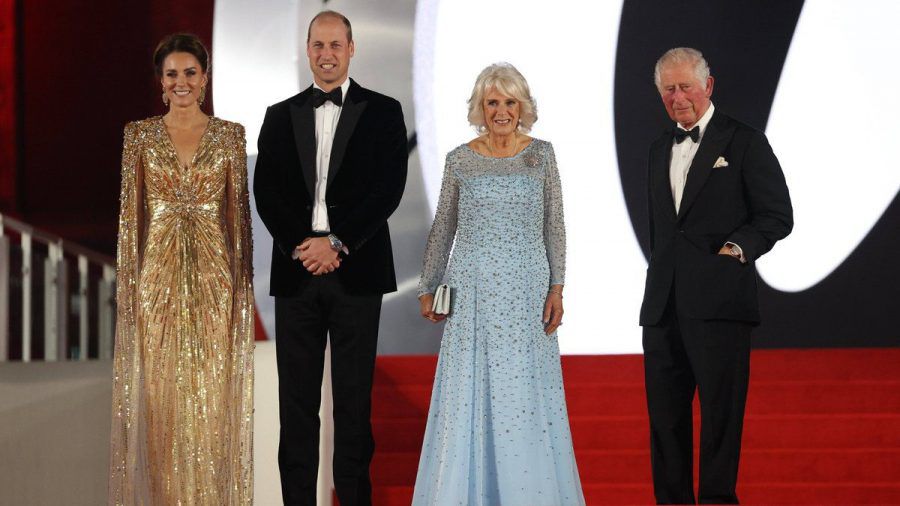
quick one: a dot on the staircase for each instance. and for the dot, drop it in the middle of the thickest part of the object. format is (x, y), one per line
(822, 427)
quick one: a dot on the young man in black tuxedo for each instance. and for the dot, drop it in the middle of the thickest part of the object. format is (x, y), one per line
(331, 169)
(718, 201)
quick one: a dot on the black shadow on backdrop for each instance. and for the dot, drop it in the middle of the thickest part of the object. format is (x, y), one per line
(746, 44)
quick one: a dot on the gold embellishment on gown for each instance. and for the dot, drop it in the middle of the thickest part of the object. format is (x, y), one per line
(182, 413)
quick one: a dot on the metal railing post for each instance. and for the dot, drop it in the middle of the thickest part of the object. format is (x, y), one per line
(106, 311)
(4, 294)
(82, 307)
(51, 302)
(26, 297)
(62, 304)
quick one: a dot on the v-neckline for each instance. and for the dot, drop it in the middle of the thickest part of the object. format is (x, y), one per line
(175, 149)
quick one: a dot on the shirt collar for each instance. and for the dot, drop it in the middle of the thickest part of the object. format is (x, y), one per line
(704, 120)
(344, 87)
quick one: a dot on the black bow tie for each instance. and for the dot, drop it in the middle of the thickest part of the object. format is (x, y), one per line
(681, 134)
(319, 97)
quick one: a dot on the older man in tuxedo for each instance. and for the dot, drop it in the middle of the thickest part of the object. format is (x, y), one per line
(718, 201)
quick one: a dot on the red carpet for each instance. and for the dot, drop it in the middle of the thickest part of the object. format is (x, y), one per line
(822, 427)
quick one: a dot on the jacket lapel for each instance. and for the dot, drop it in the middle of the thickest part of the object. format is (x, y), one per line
(659, 174)
(303, 118)
(715, 139)
(352, 109)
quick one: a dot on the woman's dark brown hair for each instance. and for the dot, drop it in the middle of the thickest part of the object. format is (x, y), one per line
(180, 43)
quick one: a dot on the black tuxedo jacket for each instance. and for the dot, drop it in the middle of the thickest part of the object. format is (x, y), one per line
(746, 203)
(366, 177)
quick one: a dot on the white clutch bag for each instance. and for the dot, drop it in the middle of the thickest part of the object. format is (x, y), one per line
(441, 303)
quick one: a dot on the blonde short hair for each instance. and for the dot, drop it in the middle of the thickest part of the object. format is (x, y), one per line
(508, 81)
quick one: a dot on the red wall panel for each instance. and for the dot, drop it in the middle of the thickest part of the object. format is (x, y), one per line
(8, 116)
(87, 71)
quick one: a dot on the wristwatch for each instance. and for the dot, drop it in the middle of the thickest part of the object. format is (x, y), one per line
(336, 243)
(735, 251)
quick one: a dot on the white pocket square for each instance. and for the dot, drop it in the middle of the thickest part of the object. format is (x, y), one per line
(721, 162)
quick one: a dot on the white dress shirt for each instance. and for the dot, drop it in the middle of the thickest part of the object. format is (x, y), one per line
(327, 116)
(683, 156)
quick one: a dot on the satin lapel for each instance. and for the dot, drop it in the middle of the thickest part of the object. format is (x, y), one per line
(662, 187)
(715, 139)
(350, 112)
(303, 118)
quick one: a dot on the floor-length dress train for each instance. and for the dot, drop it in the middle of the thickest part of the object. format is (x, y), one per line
(182, 414)
(498, 431)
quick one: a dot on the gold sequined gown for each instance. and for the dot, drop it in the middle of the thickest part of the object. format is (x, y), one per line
(182, 414)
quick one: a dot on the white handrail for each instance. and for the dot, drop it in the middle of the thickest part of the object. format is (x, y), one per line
(57, 298)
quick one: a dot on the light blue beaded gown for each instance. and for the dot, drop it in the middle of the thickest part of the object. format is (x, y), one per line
(498, 430)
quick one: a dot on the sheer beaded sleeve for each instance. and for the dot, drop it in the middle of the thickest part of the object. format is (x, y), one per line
(127, 439)
(243, 319)
(443, 230)
(554, 224)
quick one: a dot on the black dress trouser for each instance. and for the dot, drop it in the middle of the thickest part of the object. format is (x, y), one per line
(303, 323)
(682, 355)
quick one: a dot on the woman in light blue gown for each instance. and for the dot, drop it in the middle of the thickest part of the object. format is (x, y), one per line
(498, 430)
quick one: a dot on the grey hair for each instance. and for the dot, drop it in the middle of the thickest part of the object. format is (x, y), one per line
(679, 55)
(507, 80)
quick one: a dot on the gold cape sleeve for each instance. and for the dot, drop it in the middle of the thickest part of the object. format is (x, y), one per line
(127, 485)
(243, 323)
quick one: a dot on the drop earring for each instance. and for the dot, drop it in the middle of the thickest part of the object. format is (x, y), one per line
(202, 95)
(165, 98)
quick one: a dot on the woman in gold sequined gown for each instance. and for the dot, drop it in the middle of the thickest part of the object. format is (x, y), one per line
(182, 414)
